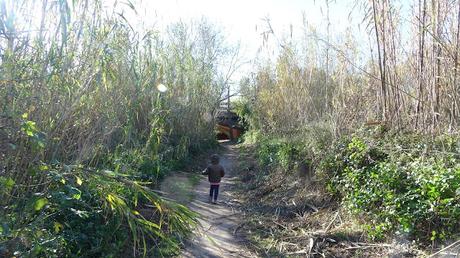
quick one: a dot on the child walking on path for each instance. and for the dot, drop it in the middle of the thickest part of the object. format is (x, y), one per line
(214, 172)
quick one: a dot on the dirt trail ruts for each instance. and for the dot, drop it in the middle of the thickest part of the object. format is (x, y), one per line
(216, 236)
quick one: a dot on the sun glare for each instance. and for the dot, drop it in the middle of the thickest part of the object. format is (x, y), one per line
(162, 88)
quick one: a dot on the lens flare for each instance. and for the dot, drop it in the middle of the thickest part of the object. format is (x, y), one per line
(162, 88)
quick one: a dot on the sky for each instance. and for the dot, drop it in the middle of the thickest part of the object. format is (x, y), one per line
(243, 20)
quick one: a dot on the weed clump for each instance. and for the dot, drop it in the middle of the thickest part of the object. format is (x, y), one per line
(405, 184)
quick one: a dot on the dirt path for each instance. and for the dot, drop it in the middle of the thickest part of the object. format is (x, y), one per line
(215, 237)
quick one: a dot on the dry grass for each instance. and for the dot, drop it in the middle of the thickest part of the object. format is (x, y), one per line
(78, 90)
(287, 218)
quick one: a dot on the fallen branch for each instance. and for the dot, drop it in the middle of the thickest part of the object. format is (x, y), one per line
(359, 245)
(311, 206)
(332, 221)
(298, 252)
(311, 243)
(238, 227)
(445, 248)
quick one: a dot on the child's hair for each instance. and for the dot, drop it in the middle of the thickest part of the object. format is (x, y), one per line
(215, 159)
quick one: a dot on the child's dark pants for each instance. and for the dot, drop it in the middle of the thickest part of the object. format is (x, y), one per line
(214, 191)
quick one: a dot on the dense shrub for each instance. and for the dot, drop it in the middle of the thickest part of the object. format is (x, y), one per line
(81, 96)
(277, 153)
(286, 153)
(85, 212)
(406, 184)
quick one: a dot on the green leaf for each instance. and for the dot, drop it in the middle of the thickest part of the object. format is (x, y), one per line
(29, 127)
(6, 183)
(433, 235)
(9, 183)
(40, 203)
(76, 196)
(75, 192)
(79, 181)
(43, 167)
(57, 227)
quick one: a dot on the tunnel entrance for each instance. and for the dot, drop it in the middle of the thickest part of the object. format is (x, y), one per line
(228, 127)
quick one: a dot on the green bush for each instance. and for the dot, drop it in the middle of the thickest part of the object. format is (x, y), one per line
(281, 153)
(243, 109)
(405, 183)
(92, 213)
(87, 95)
(413, 187)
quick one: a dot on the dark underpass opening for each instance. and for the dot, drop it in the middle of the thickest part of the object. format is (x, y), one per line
(228, 126)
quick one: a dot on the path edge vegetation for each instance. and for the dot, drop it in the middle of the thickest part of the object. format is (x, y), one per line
(86, 137)
(391, 189)
(381, 136)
